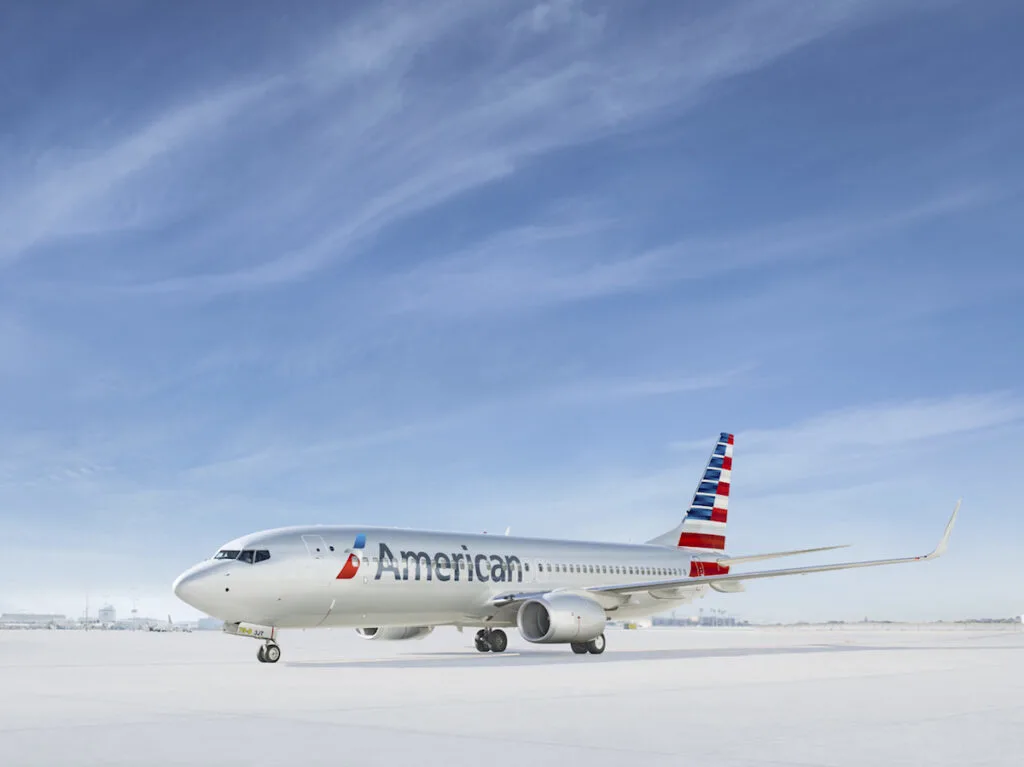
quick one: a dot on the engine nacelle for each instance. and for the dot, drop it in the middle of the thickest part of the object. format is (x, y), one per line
(560, 618)
(395, 633)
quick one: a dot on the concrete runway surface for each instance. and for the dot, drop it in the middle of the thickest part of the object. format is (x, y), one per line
(896, 695)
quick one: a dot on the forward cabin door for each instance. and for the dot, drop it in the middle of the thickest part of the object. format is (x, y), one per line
(313, 594)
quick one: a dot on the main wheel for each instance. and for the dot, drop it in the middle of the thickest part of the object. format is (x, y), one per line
(498, 641)
(260, 655)
(272, 653)
(580, 648)
(596, 645)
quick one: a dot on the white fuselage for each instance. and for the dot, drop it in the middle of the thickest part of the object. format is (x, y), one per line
(320, 576)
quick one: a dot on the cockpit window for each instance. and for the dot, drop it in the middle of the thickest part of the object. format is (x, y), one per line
(247, 555)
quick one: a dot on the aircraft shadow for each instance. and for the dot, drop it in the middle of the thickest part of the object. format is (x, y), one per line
(563, 655)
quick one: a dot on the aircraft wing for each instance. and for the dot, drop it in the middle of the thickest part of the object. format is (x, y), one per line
(729, 561)
(628, 588)
(670, 584)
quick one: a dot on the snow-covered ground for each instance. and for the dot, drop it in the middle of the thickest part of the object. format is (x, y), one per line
(766, 696)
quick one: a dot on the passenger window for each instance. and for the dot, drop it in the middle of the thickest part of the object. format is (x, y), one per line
(246, 556)
(262, 556)
(527, 566)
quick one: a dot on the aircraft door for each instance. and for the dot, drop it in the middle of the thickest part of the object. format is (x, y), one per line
(312, 598)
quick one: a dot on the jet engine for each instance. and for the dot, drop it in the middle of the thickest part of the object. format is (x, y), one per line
(395, 633)
(560, 618)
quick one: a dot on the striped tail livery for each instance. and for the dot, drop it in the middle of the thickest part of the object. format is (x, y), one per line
(703, 526)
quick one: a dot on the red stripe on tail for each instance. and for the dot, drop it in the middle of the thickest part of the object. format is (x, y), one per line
(701, 541)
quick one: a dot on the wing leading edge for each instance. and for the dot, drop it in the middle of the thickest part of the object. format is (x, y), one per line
(674, 583)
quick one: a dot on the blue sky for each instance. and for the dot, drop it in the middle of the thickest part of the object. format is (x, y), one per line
(470, 265)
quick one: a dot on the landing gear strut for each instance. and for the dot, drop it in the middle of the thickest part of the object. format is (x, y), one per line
(269, 653)
(491, 640)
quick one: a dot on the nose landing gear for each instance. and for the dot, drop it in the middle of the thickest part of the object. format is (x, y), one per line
(491, 640)
(269, 653)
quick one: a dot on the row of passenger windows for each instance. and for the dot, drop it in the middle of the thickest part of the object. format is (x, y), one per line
(660, 572)
(613, 570)
(247, 555)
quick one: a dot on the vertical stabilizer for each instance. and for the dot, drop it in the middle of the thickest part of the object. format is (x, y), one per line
(703, 525)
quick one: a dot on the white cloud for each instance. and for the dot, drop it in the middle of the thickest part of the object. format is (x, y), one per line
(430, 139)
(72, 198)
(536, 267)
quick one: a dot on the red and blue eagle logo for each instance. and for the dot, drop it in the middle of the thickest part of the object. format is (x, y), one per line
(352, 563)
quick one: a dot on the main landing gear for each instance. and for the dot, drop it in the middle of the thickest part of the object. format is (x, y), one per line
(269, 653)
(595, 646)
(491, 640)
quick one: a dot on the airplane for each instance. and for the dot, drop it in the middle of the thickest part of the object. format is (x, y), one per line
(399, 584)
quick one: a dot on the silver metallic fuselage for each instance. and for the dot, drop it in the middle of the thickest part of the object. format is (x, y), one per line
(411, 577)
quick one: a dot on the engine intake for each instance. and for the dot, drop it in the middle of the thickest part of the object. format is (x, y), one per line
(560, 618)
(395, 633)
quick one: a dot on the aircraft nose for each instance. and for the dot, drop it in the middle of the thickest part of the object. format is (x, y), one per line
(185, 587)
(193, 586)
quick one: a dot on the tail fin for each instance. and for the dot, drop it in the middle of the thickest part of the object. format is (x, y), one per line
(703, 526)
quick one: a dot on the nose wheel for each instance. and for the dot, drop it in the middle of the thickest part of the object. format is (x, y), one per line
(491, 640)
(268, 653)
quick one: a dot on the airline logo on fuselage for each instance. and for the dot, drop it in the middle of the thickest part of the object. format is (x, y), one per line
(461, 565)
(352, 563)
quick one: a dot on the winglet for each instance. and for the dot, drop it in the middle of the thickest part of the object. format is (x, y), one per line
(944, 543)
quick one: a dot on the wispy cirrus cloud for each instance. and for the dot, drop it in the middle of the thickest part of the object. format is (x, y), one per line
(84, 193)
(535, 267)
(400, 128)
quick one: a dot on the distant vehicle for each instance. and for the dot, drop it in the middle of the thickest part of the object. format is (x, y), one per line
(397, 584)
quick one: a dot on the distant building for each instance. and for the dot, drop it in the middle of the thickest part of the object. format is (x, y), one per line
(108, 614)
(30, 619)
